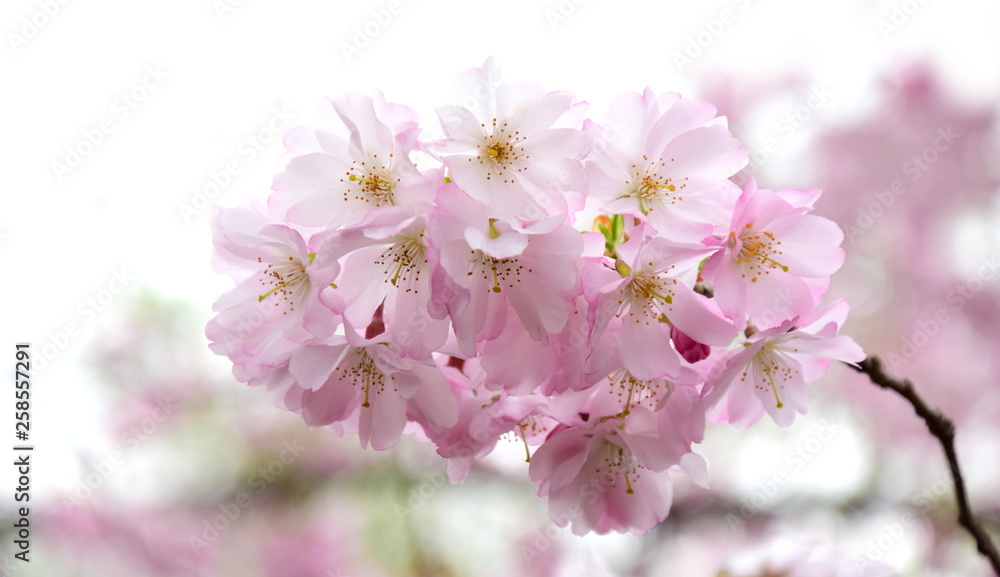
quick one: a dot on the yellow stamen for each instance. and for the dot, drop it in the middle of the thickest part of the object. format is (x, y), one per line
(275, 289)
(399, 269)
(774, 262)
(628, 401)
(496, 283)
(774, 388)
(665, 298)
(527, 453)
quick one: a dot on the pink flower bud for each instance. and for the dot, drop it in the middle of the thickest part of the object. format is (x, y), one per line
(690, 349)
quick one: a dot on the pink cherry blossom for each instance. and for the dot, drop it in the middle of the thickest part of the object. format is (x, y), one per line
(646, 290)
(482, 421)
(773, 263)
(507, 154)
(345, 179)
(365, 376)
(769, 373)
(488, 266)
(667, 159)
(275, 307)
(614, 475)
(386, 265)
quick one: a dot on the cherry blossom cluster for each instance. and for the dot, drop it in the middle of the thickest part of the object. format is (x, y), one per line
(595, 291)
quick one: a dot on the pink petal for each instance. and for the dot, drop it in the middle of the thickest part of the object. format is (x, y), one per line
(645, 350)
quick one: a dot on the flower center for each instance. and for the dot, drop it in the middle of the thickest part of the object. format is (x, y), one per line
(497, 271)
(531, 425)
(501, 152)
(370, 182)
(651, 187)
(359, 368)
(757, 252)
(770, 371)
(404, 261)
(618, 462)
(646, 296)
(632, 391)
(286, 279)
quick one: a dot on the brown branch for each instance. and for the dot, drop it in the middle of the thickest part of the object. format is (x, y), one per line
(942, 428)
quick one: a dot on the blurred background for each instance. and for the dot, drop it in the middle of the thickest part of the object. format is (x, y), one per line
(124, 122)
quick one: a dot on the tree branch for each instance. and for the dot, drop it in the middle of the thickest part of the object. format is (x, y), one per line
(942, 428)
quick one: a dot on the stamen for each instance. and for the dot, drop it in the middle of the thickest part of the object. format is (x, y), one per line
(502, 152)
(757, 252)
(373, 183)
(286, 277)
(274, 290)
(770, 370)
(774, 388)
(360, 370)
(496, 284)
(620, 462)
(404, 261)
(647, 296)
(527, 453)
(651, 186)
(636, 391)
(498, 271)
